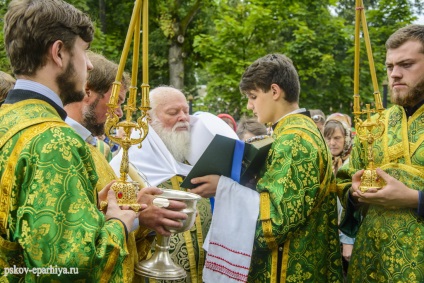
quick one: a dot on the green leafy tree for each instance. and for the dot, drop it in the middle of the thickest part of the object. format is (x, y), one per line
(172, 27)
(316, 35)
(244, 31)
(4, 61)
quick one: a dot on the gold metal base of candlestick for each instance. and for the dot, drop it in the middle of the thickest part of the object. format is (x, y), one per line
(370, 180)
(126, 194)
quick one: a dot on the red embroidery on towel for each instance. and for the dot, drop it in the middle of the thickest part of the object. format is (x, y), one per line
(235, 265)
(228, 249)
(225, 271)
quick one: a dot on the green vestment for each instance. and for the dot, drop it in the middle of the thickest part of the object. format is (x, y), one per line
(296, 236)
(104, 148)
(389, 246)
(48, 201)
(139, 241)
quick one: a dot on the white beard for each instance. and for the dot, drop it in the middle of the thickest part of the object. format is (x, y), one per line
(177, 142)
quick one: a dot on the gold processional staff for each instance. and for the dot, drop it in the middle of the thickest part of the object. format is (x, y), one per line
(370, 129)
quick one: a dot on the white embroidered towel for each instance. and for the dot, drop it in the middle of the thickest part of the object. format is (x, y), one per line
(229, 243)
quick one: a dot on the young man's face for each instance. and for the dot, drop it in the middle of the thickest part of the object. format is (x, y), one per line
(261, 103)
(72, 80)
(405, 70)
(95, 110)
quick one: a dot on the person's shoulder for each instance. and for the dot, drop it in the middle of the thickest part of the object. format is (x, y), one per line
(58, 136)
(299, 128)
(296, 122)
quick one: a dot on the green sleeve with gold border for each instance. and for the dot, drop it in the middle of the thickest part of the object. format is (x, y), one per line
(54, 215)
(292, 179)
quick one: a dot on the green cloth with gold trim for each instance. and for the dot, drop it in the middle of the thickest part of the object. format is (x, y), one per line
(53, 218)
(389, 244)
(298, 178)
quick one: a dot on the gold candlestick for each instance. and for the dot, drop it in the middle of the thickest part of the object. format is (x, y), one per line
(370, 129)
(126, 192)
(160, 265)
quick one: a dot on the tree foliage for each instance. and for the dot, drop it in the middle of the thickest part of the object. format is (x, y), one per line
(216, 40)
(317, 35)
(4, 62)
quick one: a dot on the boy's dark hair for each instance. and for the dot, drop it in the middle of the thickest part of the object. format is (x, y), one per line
(272, 69)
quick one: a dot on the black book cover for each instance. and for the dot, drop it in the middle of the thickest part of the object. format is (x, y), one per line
(254, 158)
(218, 159)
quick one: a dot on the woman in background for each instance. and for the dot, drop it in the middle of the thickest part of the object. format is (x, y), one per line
(338, 135)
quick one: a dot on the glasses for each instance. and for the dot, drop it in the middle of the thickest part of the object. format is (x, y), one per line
(318, 118)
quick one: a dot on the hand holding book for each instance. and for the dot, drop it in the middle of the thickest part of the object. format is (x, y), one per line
(217, 159)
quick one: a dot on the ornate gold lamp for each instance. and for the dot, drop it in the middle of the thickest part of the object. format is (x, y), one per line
(126, 192)
(368, 130)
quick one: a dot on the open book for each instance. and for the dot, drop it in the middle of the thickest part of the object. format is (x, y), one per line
(217, 159)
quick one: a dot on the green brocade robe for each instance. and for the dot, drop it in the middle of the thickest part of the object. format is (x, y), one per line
(389, 246)
(139, 241)
(296, 236)
(48, 211)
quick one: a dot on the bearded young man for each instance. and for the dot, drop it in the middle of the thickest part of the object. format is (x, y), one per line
(48, 213)
(388, 246)
(88, 118)
(91, 111)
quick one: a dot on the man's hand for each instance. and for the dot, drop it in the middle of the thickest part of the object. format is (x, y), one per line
(207, 187)
(102, 195)
(127, 216)
(393, 195)
(160, 219)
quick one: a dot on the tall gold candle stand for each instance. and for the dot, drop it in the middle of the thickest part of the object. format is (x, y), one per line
(370, 129)
(126, 192)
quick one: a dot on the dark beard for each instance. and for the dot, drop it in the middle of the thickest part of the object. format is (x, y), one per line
(90, 119)
(67, 88)
(412, 98)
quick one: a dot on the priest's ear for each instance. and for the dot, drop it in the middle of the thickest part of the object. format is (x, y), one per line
(277, 92)
(88, 93)
(56, 53)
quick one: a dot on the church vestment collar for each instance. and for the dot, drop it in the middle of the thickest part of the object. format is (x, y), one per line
(81, 131)
(17, 95)
(297, 111)
(26, 89)
(411, 110)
